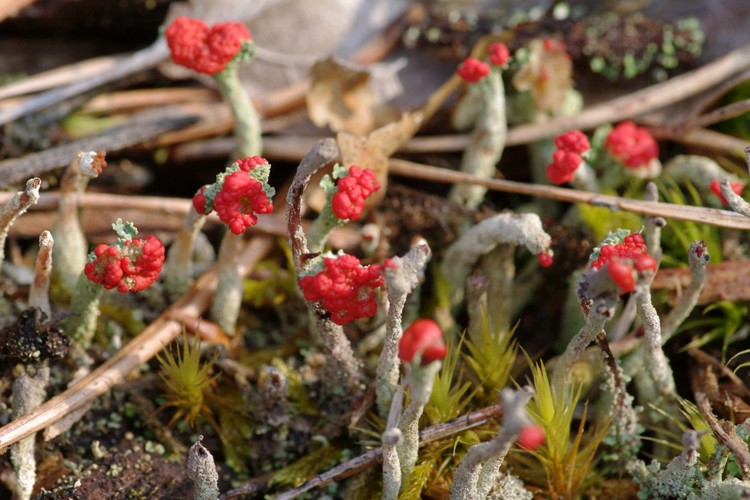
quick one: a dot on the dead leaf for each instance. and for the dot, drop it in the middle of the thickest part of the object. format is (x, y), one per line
(374, 150)
(340, 98)
(724, 281)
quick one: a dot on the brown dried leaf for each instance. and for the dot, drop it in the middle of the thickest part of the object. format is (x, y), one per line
(724, 281)
(340, 98)
(374, 150)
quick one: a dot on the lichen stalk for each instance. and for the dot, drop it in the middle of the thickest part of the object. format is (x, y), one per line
(698, 258)
(391, 438)
(735, 201)
(420, 380)
(247, 130)
(402, 276)
(486, 143)
(202, 470)
(624, 429)
(227, 300)
(16, 207)
(85, 302)
(505, 228)
(655, 358)
(654, 225)
(225, 306)
(71, 249)
(476, 474)
(28, 393)
(343, 364)
(178, 268)
(321, 228)
(601, 310)
(39, 290)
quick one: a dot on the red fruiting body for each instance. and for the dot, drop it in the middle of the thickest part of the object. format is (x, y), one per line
(353, 190)
(199, 201)
(423, 337)
(631, 247)
(99, 163)
(716, 189)
(573, 141)
(249, 164)
(644, 263)
(545, 259)
(499, 54)
(531, 437)
(633, 146)
(240, 198)
(472, 70)
(203, 49)
(563, 166)
(130, 268)
(553, 44)
(344, 288)
(622, 275)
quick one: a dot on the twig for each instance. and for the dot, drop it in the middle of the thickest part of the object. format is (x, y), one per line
(270, 224)
(59, 76)
(375, 456)
(724, 432)
(651, 98)
(138, 61)
(707, 358)
(112, 140)
(721, 218)
(142, 348)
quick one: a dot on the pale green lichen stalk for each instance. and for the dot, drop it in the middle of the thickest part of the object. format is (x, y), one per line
(202, 470)
(225, 307)
(71, 249)
(402, 275)
(39, 290)
(247, 130)
(28, 393)
(326, 221)
(16, 207)
(420, 380)
(178, 268)
(391, 438)
(486, 143)
(475, 476)
(502, 229)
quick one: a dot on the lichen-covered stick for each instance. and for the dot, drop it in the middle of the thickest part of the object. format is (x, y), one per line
(402, 274)
(324, 153)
